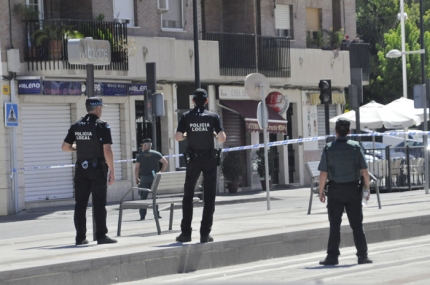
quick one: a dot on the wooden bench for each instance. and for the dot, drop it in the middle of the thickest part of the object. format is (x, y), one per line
(167, 188)
(314, 173)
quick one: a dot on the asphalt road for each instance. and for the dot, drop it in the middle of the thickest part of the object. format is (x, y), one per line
(397, 262)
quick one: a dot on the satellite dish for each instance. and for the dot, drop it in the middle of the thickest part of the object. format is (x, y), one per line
(253, 82)
(262, 119)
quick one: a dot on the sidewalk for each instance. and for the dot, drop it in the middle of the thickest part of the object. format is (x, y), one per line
(37, 247)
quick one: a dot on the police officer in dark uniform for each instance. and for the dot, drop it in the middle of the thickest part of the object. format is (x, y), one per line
(94, 169)
(200, 127)
(341, 162)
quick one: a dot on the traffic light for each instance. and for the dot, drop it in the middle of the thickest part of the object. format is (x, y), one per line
(325, 91)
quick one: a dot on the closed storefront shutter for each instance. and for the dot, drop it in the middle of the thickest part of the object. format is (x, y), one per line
(111, 116)
(234, 128)
(321, 122)
(44, 128)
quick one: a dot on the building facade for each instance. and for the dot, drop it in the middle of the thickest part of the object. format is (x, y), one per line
(292, 43)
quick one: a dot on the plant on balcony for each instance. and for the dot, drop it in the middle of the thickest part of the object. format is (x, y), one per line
(317, 41)
(26, 12)
(335, 37)
(51, 37)
(232, 168)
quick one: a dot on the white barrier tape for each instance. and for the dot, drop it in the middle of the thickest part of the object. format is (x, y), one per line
(255, 146)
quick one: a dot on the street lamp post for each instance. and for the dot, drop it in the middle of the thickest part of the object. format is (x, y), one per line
(402, 15)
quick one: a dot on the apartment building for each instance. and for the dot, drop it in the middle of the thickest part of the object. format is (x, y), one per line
(291, 42)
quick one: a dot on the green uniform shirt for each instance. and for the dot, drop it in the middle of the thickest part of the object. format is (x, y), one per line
(342, 160)
(149, 161)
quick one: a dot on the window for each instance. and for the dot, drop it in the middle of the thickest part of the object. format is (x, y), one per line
(173, 19)
(313, 23)
(284, 21)
(36, 5)
(123, 11)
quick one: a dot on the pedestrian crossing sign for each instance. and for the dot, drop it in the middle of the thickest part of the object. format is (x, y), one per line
(11, 115)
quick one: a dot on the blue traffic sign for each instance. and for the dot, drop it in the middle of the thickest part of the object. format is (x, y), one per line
(11, 115)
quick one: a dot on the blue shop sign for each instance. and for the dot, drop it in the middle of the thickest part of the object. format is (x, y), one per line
(32, 86)
(61, 88)
(136, 89)
(110, 89)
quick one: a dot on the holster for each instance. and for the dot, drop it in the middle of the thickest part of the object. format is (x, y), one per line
(361, 185)
(217, 153)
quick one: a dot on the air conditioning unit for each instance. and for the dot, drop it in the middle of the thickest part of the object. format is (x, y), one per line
(163, 6)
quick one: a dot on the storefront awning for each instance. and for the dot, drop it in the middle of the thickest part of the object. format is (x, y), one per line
(248, 110)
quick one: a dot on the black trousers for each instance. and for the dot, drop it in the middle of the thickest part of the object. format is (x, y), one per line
(144, 196)
(90, 181)
(208, 166)
(345, 196)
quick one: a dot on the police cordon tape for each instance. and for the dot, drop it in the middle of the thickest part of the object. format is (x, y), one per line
(255, 146)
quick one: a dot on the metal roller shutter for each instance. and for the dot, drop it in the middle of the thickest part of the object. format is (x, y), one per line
(234, 127)
(321, 122)
(44, 128)
(111, 116)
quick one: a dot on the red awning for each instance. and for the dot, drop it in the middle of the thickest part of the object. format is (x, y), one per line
(248, 110)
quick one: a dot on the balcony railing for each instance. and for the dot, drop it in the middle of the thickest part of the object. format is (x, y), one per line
(241, 54)
(46, 42)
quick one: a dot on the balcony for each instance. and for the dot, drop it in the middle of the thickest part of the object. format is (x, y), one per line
(241, 54)
(45, 45)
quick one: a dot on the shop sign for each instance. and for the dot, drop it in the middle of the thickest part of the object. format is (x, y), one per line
(278, 102)
(136, 89)
(110, 89)
(32, 86)
(233, 93)
(89, 51)
(272, 127)
(62, 88)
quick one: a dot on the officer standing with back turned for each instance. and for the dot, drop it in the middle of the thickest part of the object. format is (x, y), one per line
(94, 169)
(341, 162)
(200, 127)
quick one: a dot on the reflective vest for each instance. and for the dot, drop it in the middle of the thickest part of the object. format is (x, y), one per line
(88, 144)
(343, 161)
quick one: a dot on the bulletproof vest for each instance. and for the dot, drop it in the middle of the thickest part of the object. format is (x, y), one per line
(88, 144)
(343, 161)
(200, 131)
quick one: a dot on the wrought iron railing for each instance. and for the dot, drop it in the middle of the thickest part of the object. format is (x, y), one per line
(241, 54)
(46, 42)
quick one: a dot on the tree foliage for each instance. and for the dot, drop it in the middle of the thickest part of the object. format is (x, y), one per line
(377, 24)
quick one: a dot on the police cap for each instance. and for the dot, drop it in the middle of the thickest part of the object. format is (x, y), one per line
(342, 124)
(200, 93)
(94, 101)
(147, 141)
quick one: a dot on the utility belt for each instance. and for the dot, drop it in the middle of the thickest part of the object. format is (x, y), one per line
(93, 162)
(333, 183)
(191, 155)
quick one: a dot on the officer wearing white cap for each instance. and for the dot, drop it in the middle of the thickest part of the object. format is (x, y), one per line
(199, 126)
(91, 138)
(342, 162)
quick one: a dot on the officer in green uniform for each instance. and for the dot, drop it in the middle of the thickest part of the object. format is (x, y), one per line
(147, 164)
(341, 162)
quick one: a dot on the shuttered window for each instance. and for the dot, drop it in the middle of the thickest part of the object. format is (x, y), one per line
(173, 18)
(283, 21)
(111, 116)
(321, 122)
(124, 10)
(44, 128)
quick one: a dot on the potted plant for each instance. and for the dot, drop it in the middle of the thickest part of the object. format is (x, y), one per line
(232, 169)
(261, 166)
(52, 35)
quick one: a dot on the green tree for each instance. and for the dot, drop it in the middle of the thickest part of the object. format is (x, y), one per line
(377, 24)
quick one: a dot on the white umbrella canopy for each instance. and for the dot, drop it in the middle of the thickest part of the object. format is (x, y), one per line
(404, 107)
(369, 117)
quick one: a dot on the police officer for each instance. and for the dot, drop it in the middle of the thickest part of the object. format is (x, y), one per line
(94, 169)
(341, 162)
(200, 127)
(147, 164)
